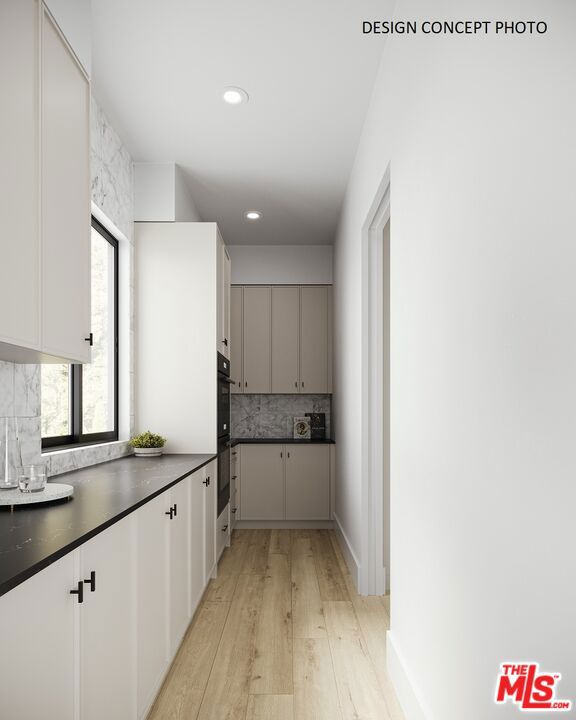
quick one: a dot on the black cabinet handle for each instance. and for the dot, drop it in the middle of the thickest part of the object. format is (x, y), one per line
(296, 384)
(234, 510)
(225, 341)
(206, 482)
(79, 591)
(225, 528)
(169, 512)
(175, 508)
(92, 581)
(90, 339)
(234, 477)
(288, 454)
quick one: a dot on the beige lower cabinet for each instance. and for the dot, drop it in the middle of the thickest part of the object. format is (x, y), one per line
(285, 482)
(262, 486)
(307, 482)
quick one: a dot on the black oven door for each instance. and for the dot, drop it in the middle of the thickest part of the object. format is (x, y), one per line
(223, 474)
(223, 406)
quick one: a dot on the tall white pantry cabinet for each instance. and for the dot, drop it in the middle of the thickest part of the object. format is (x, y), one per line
(182, 321)
(45, 199)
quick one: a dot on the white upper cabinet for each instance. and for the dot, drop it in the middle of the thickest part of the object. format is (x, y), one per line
(223, 338)
(45, 202)
(19, 241)
(65, 200)
(180, 316)
(285, 339)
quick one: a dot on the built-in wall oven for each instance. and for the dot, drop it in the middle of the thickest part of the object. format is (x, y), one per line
(223, 422)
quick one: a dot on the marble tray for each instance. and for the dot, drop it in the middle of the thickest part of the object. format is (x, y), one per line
(52, 491)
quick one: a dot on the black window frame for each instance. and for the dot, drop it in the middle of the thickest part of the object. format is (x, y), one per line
(78, 438)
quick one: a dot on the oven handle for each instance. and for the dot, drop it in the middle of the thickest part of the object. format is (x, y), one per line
(227, 380)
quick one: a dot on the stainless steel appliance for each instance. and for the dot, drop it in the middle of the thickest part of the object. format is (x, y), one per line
(223, 423)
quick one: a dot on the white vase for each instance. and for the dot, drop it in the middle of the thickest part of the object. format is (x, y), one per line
(147, 452)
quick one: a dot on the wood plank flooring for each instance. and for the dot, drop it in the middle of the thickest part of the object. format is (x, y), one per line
(281, 634)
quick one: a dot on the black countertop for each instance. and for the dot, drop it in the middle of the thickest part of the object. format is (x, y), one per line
(31, 538)
(280, 441)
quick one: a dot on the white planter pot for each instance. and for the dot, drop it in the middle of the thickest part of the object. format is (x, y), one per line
(147, 452)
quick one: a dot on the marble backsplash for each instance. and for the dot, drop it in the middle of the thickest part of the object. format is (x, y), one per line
(270, 416)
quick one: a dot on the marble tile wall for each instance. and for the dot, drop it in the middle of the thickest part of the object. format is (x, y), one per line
(112, 191)
(269, 416)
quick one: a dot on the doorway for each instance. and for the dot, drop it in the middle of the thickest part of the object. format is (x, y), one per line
(374, 576)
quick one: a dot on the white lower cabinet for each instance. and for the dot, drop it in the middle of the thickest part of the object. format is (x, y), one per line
(152, 595)
(196, 541)
(222, 531)
(210, 481)
(107, 624)
(37, 662)
(285, 482)
(63, 649)
(93, 634)
(179, 562)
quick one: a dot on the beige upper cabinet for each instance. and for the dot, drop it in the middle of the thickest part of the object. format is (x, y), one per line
(45, 203)
(257, 335)
(236, 339)
(285, 339)
(314, 340)
(285, 335)
(223, 337)
(65, 193)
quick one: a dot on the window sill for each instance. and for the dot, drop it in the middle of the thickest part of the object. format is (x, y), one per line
(76, 447)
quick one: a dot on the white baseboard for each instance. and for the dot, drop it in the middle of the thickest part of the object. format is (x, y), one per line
(284, 525)
(408, 698)
(349, 554)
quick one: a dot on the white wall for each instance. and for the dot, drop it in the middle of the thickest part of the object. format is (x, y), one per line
(281, 264)
(161, 194)
(479, 134)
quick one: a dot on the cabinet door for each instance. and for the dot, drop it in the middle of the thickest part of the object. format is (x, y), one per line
(234, 486)
(226, 309)
(307, 482)
(108, 625)
(152, 599)
(19, 242)
(222, 531)
(223, 300)
(285, 339)
(179, 563)
(262, 488)
(236, 345)
(314, 340)
(196, 542)
(210, 507)
(257, 311)
(37, 664)
(65, 200)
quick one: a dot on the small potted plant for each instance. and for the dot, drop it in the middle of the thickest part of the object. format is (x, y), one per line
(147, 444)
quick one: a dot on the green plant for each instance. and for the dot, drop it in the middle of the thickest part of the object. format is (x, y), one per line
(147, 440)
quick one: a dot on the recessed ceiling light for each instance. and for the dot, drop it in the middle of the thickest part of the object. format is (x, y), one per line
(252, 215)
(234, 96)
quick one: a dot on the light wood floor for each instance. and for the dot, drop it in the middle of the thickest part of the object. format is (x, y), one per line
(281, 634)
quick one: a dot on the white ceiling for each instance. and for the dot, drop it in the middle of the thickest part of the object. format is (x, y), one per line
(158, 72)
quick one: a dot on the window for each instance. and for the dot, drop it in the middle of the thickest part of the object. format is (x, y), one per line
(80, 402)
